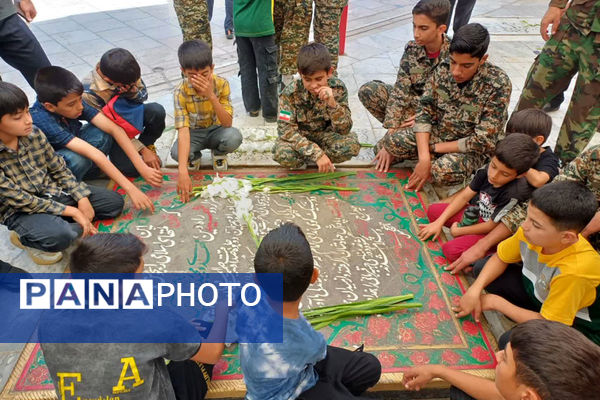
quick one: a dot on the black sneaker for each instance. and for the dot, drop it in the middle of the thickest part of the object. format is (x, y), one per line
(270, 119)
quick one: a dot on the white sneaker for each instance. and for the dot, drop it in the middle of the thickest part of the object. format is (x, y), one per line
(39, 257)
(219, 162)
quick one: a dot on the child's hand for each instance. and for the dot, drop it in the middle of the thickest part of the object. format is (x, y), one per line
(455, 230)
(433, 229)
(184, 187)
(470, 302)
(153, 176)
(140, 200)
(86, 208)
(325, 164)
(383, 160)
(86, 225)
(325, 93)
(150, 158)
(202, 85)
(416, 378)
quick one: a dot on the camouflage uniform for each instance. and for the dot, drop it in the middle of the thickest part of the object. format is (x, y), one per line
(474, 116)
(327, 25)
(292, 25)
(193, 19)
(584, 169)
(391, 105)
(309, 128)
(574, 48)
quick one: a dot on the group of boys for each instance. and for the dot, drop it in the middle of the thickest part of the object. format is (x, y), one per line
(447, 111)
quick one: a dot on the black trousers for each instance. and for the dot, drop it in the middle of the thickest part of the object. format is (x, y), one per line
(344, 374)
(154, 125)
(258, 53)
(20, 48)
(462, 14)
(52, 233)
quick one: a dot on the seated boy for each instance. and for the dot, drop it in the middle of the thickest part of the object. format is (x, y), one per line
(544, 360)
(303, 366)
(395, 106)
(75, 367)
(314, 118)
(57, 112)
(584, 169)
(560, 275)
(118, 74)
(538, 125)
(42, 202)
(459, 118)
(498, 187)
(203, 114)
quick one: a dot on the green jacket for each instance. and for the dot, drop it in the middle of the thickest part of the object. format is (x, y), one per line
(253, 18)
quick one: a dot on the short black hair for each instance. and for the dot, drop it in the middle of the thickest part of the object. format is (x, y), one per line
(120, 66)
(12, 99)
(108, 252)
(531, 121)
(570, 205)
(436, 10)
(472, 39)
(312, 58)
(53, 83)
(517, 151)
(286, 251)
(557, 361)
(194, 54)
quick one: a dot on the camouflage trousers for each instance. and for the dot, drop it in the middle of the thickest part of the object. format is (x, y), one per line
(292, 25)
(193, 19)
(567, 53)
(327, 28)
(339, 148)
(446, 169)
(374, 95)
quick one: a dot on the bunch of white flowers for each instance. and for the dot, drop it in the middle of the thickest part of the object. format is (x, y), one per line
(231, 188)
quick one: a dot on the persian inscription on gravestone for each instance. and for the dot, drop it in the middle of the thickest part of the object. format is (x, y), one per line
(354, 247)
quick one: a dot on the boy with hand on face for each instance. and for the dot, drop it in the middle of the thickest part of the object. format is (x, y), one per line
(314, 118)
(395, 106)
(203, 114)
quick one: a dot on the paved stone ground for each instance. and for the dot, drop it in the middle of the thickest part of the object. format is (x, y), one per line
(74, 34)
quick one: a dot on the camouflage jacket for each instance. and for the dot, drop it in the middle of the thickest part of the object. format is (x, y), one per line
(474, 115)
(415, 70)
(582, 14)
(331, 3)
(303, 116)
(585, 169)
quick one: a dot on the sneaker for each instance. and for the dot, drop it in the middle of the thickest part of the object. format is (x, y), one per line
(194, 164)
(229, 34)
(39, 257)
(554, 104)
(253, 113)
(219, 162)
(270, 119)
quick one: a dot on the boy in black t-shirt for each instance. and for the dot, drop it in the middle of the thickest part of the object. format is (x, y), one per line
(537, 124)
(499, 187)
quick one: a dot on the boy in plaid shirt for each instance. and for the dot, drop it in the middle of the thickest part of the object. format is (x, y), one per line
(42, 203)
(203, 114)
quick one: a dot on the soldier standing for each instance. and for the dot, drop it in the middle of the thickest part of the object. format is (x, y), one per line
(292, 26)
(327, 25)
(573, 48)
(193, 19)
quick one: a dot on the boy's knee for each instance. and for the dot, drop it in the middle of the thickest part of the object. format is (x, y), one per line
(231, 139)
(450, 250)
(78, 165)
(372, 368)
(155, 111)
(58, 238)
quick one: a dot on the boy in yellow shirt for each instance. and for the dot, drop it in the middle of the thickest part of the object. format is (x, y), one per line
(560, 275)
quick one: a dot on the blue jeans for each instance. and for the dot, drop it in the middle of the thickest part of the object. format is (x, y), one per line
(52, 233)
(82, 166)
(220, 139)
(228, 24)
